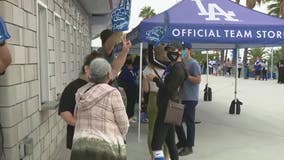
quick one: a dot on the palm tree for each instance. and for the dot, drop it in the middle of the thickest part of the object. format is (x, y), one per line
(258, 52)
(276, 8)
(147, 12)
(251, 3)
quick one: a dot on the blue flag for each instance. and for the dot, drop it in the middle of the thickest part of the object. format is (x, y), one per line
(120, 16)
(4, 35)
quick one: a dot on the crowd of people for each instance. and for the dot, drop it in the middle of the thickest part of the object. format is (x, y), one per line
(96, 113)
(257, 69)
(98, 116)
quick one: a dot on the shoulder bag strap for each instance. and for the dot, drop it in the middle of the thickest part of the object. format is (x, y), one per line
(156, 73)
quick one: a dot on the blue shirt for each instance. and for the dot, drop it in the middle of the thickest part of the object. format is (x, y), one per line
(257, 65)
(191, 90)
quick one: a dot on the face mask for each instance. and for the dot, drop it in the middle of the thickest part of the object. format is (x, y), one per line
(184, 54)
(173, 56)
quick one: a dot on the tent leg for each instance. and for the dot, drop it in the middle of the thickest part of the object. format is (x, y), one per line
(207, 90)
(140, 94)
(235, 107)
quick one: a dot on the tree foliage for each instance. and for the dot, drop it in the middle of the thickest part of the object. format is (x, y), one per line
(147, 12)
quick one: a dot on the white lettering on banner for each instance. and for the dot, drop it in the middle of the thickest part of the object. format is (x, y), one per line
(238, 34)
(270, 34)
(247, 34)
(215, 33)
(213, 11)
(196, 33)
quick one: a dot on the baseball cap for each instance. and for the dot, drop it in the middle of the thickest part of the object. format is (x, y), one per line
(187, 45)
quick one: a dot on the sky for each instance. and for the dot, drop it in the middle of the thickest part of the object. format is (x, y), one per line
(158, 6)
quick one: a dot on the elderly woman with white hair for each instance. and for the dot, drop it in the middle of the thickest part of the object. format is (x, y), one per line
(101, 120)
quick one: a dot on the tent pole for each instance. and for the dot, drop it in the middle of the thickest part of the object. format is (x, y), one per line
(207, 67)
(272, 54)
(140, 94)
(236, 76)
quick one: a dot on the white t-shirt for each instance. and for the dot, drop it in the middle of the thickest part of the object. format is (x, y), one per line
(149, 70)
(240, 63)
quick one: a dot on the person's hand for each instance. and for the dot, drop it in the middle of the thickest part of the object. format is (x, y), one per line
(126, 44)
(150, 77)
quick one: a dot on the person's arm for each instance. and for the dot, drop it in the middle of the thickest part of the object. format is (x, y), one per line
(156, 79)
(119, 111)
(68, 118)
(195, 78)
(175, 78)
(67, 105)
(120, 60)
(145, 85)
(5, 58)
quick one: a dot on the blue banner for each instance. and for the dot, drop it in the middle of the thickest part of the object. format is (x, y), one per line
(4, 35)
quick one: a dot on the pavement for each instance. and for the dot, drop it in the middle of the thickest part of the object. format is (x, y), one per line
(256, 134)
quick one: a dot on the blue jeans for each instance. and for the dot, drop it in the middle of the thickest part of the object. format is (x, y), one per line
(188, 118)
(246, 72)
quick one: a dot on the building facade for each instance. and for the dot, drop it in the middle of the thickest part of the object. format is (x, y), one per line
(49, 39)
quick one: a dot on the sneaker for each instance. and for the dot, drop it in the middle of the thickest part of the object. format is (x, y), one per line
(179, 146)
(185, 151)
(132, 120)
(143, 118)
(197, 122)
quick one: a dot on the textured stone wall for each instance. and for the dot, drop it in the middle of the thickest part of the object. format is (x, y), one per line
(20, 104)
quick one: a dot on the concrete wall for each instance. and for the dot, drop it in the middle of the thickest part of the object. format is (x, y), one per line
(20, 103)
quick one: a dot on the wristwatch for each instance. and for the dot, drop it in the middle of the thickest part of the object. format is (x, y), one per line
(2, 43)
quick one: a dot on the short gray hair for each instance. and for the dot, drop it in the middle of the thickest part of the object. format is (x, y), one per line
(99, 69)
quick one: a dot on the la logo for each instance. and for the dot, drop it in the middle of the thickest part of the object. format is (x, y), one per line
(214, 11)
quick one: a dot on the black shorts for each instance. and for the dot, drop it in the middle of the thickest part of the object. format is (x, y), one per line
(257, 73)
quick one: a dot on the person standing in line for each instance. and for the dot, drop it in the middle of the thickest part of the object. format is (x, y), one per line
(152, 108)
(264, 69)
(257, 68)
(67, 101)
(281, 71)
(246, 68)
(101, 120)
(127, 79)
(169, 84)
(240, 66)
(228, 67)
(190, 96)
(109, 41)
